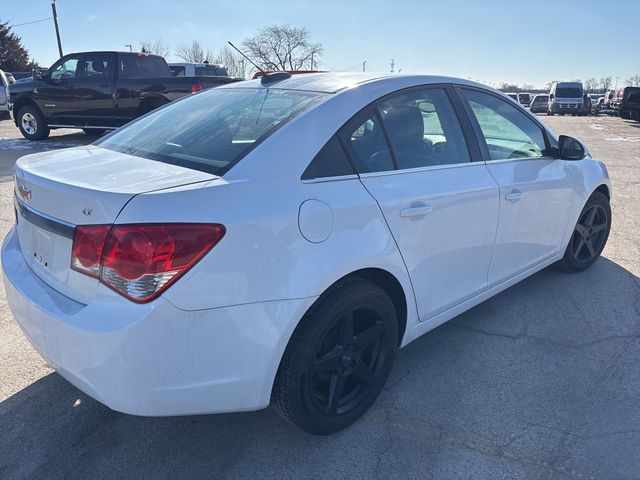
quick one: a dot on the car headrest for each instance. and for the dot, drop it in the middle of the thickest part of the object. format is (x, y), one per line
(405, 125)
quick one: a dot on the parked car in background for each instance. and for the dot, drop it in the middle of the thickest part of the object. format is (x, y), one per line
(609, 98)
(565, 97)
(513, 95)
(524, 99)
(98, 91)
(627, 103)
(225, 264)
(539, 103)
(6, 79)
(587, 105)
(204, 69)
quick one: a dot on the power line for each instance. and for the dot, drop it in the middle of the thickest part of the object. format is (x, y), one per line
(29, 23)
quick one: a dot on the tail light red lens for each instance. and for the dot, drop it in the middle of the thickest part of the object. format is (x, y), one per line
(141, 261)
(86, 253)
(197, 87)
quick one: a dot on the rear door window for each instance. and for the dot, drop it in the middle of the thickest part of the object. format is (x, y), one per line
(423, 129)
(96, 67)
(366, 143)
(142, 66)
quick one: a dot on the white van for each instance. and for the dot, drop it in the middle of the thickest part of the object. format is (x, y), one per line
(565, 97)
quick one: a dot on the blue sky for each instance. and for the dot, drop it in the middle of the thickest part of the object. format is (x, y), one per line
(490, 41)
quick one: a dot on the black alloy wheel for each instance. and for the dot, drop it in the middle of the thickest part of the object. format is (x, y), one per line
(589, 235)
(338, 359)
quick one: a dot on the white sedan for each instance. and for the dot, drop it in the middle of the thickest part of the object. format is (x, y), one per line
(276, 241)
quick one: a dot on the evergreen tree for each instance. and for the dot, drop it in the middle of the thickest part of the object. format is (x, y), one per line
(13, 56)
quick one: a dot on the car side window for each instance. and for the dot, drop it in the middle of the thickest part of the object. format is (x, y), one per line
(423, 129)
(331, 161)
(65, 69)
(96, 67)
(508, 132)
(365, 141)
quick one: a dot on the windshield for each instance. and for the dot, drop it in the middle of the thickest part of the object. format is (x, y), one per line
(209, 131)
(524, 97)
(569, 92)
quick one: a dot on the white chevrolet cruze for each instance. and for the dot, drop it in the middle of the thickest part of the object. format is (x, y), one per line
(278, 240)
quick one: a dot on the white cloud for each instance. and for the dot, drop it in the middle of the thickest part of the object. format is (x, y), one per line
(93, 17)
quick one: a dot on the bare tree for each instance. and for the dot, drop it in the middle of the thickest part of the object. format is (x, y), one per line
(156, 47)
(633, 81)
(283, 47)
(591, 84)
(550, 83)
(194, 52)
(236, 65)
(605, 83)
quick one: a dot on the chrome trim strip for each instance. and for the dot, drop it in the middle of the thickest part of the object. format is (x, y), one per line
(520, 159)
(44, 221)
(338, 178)
(420, 169)
(79, 126)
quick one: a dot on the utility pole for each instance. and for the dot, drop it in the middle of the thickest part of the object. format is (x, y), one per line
(312, 52)
(364, 64)
(55, 22)
(392, 65)
(130, 47)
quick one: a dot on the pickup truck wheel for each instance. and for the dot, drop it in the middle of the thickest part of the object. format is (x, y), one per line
(31, 124)
(94, 132)
(150, 106)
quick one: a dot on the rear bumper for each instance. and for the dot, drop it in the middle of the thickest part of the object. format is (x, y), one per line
(152, 359)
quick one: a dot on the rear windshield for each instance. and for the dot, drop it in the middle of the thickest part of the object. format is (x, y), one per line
(540, 98)
(209, 131)
(210, 71)
(569, 92)
(524, 97)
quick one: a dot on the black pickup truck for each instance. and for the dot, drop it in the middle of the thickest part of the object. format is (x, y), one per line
(98, 91)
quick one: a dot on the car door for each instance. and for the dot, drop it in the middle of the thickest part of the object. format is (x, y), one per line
(441, 206)
(95, 89)
(57, 97)
(535, 188)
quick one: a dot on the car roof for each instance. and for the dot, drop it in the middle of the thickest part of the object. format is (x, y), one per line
(333, 82)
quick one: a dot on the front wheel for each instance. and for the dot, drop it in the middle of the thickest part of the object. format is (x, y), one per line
(31, 123)
(589, 235)
(338, 358)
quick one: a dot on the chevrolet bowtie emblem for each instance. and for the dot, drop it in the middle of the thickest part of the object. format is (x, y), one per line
(24, 191)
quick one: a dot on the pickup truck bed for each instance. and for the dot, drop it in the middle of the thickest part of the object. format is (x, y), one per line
(98, 91)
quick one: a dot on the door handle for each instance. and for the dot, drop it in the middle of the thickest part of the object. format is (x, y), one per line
(416, 211)
(513, 195)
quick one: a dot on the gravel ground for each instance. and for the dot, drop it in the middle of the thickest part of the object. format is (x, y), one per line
(539, 382)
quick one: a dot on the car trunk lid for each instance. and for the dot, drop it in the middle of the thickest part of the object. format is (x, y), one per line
(55, 191)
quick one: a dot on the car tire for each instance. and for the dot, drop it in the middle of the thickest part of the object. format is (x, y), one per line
(94, 132)
(31, 123)
(589, 235)
(338, 358)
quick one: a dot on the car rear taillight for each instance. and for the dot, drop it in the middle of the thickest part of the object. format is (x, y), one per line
(197, 87)
(141, 261)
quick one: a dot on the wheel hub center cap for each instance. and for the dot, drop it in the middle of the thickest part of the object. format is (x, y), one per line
(347, 363)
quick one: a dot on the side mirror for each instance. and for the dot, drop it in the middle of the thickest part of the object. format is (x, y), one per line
(570, 148)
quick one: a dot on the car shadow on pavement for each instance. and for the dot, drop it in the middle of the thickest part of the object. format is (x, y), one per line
(541, 381)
